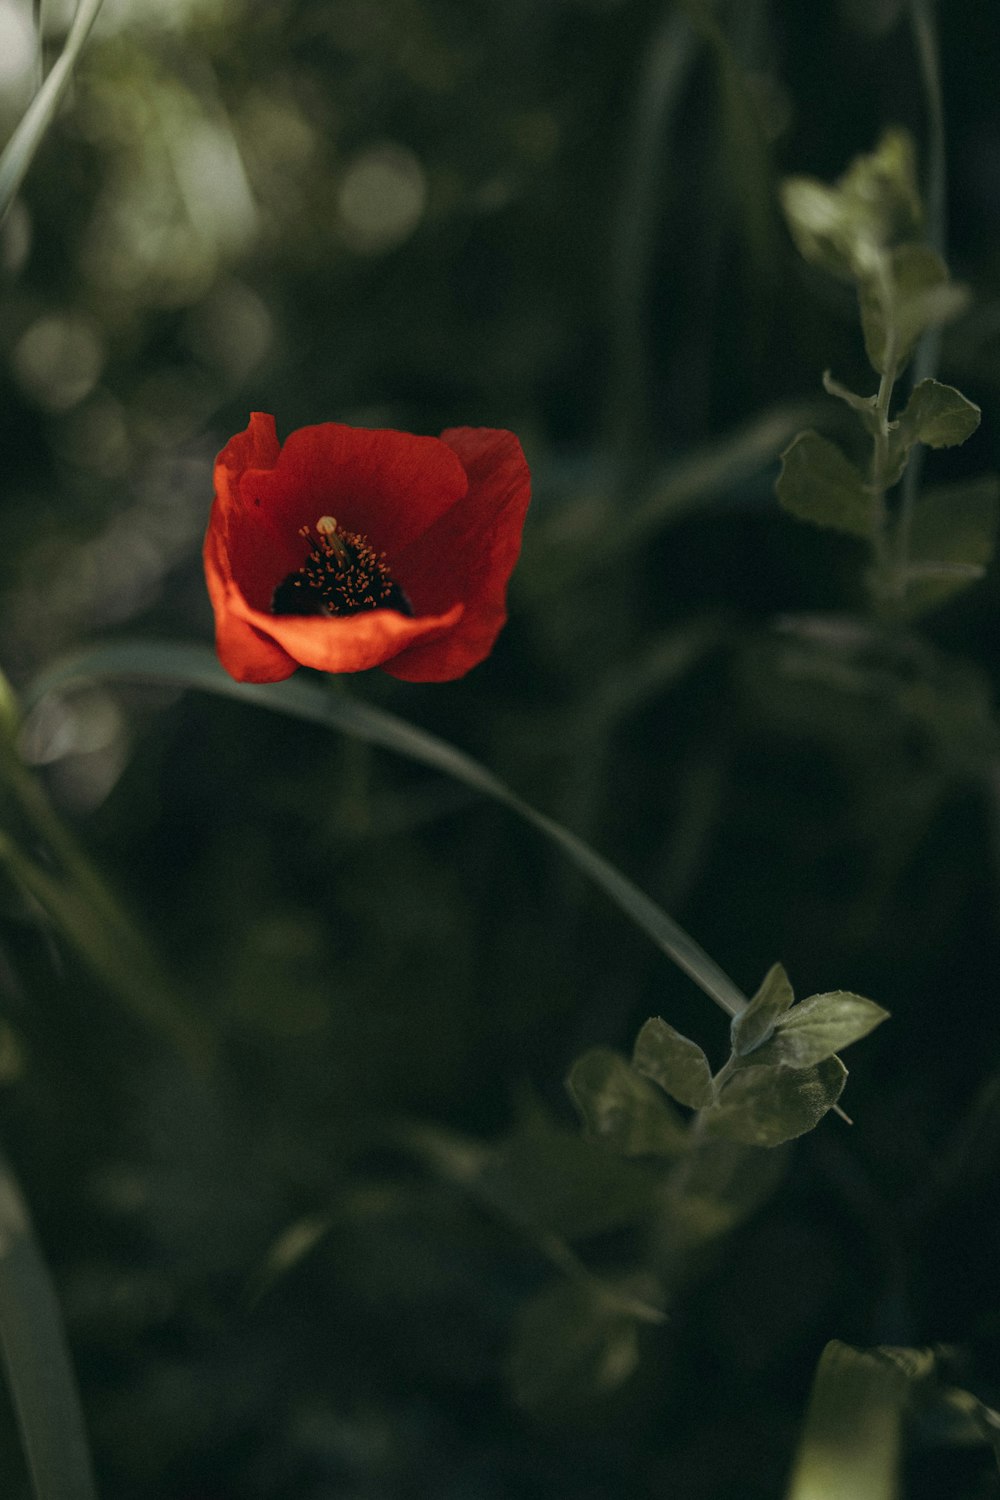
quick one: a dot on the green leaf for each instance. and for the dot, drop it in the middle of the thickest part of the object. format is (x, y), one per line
(756, 1024)
(571, 1347)
(952, 540)
(850, 1447)
(821, 224)
(875, 203)
(622, 1109)
(817, 483)
(818, 1028)
(544, 1179)
(547, 1178)
(195, 666)
(863, 405)
(975, 1419)
(674, 1062)
(938, 415)
(763, 1106)
(721, 1183)
(908, 292)
(37, 1360)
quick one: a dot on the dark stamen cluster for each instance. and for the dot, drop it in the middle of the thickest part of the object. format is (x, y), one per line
(343, 575)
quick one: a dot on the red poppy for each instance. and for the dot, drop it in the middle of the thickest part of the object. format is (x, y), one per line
(346, 548)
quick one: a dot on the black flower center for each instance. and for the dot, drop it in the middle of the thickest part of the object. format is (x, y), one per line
(343, 575)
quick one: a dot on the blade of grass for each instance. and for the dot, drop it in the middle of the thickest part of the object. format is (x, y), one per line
(195, 666)
(37, 1359)
(113, 951)
(850, 1445)
(667, 66)
(20, 150)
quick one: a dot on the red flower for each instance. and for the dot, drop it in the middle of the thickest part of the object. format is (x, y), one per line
(348, 548)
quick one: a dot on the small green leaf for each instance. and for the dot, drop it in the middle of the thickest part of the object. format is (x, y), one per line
(756, 1023)
(908, 292)
(939, 416)
(954, 525)
(674, 1062)
(622, 1109)
(881, 186)
(821, 224)
(546, 1177)
(819, 1027)
(973, 1418)
(845, 228)
(817, 483)
(863, 405)
(571, 1347)
(763, 1106)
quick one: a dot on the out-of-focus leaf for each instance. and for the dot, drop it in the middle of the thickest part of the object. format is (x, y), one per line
(721, 1183)
(550, 1179)
(911, 293)
(863, 405)
(765, 1105)
(755, 1025)
(850, 1446)
(571, 1346)
(818, 1028)
(674, 1062)
(622, 1109)
(980, 1420)
(844, 228)
(953, 527)
(817, 483)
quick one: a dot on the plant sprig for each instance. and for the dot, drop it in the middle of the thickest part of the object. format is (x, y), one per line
(864, 229)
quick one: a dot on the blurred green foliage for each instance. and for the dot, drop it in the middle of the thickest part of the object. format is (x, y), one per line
(321, 1268)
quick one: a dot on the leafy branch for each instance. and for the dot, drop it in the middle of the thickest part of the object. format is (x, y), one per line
(864, 229)
(781, 1077)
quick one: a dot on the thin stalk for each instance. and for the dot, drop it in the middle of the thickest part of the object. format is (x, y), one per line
(20, 149)
(928, 352)
(887, 578)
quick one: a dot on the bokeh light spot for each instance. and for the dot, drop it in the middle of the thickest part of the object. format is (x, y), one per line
(382, 198)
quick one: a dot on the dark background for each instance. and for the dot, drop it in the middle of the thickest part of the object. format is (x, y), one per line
(558, 217)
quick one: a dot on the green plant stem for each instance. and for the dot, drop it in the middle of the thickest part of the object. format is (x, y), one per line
(887, 581)
(20, 149)
(928, 350)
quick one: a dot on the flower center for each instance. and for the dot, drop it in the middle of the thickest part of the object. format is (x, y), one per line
(343, 575)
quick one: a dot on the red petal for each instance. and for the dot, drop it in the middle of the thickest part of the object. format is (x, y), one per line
(245, 653)
(390, 486)
(351, 643)
(468, 554)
